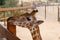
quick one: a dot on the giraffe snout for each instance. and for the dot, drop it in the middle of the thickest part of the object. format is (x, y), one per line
(39, 22)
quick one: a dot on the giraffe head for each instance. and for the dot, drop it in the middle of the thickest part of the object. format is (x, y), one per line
(27, 19)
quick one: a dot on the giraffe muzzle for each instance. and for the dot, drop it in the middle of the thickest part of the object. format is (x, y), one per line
(39, 22)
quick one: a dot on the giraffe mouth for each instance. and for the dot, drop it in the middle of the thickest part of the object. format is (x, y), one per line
(39, 22)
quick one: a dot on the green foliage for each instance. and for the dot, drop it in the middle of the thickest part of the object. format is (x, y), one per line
(53, 0)
(9, 3)
(8, 14)
(6, 4)
(2, 2)
(21, 12)
(1, 14)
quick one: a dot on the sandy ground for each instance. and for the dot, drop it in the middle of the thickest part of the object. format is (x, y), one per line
(50, 30)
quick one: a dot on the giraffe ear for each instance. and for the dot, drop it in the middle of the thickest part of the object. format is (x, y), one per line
(39, 22)
(34, 12)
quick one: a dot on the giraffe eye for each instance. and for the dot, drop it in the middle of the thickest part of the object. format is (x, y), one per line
(28, 19)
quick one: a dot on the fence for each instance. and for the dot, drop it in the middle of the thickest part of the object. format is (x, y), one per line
(4, 10)
(46, 12)
(49, 12)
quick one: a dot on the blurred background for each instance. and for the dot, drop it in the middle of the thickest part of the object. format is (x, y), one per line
(41, 5)
(48, 11)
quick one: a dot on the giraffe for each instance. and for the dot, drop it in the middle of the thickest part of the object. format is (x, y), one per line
(27, 20)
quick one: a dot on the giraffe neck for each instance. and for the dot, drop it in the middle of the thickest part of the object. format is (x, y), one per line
(35, 32)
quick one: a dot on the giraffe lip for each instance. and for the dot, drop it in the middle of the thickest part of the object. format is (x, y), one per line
(39, 22)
